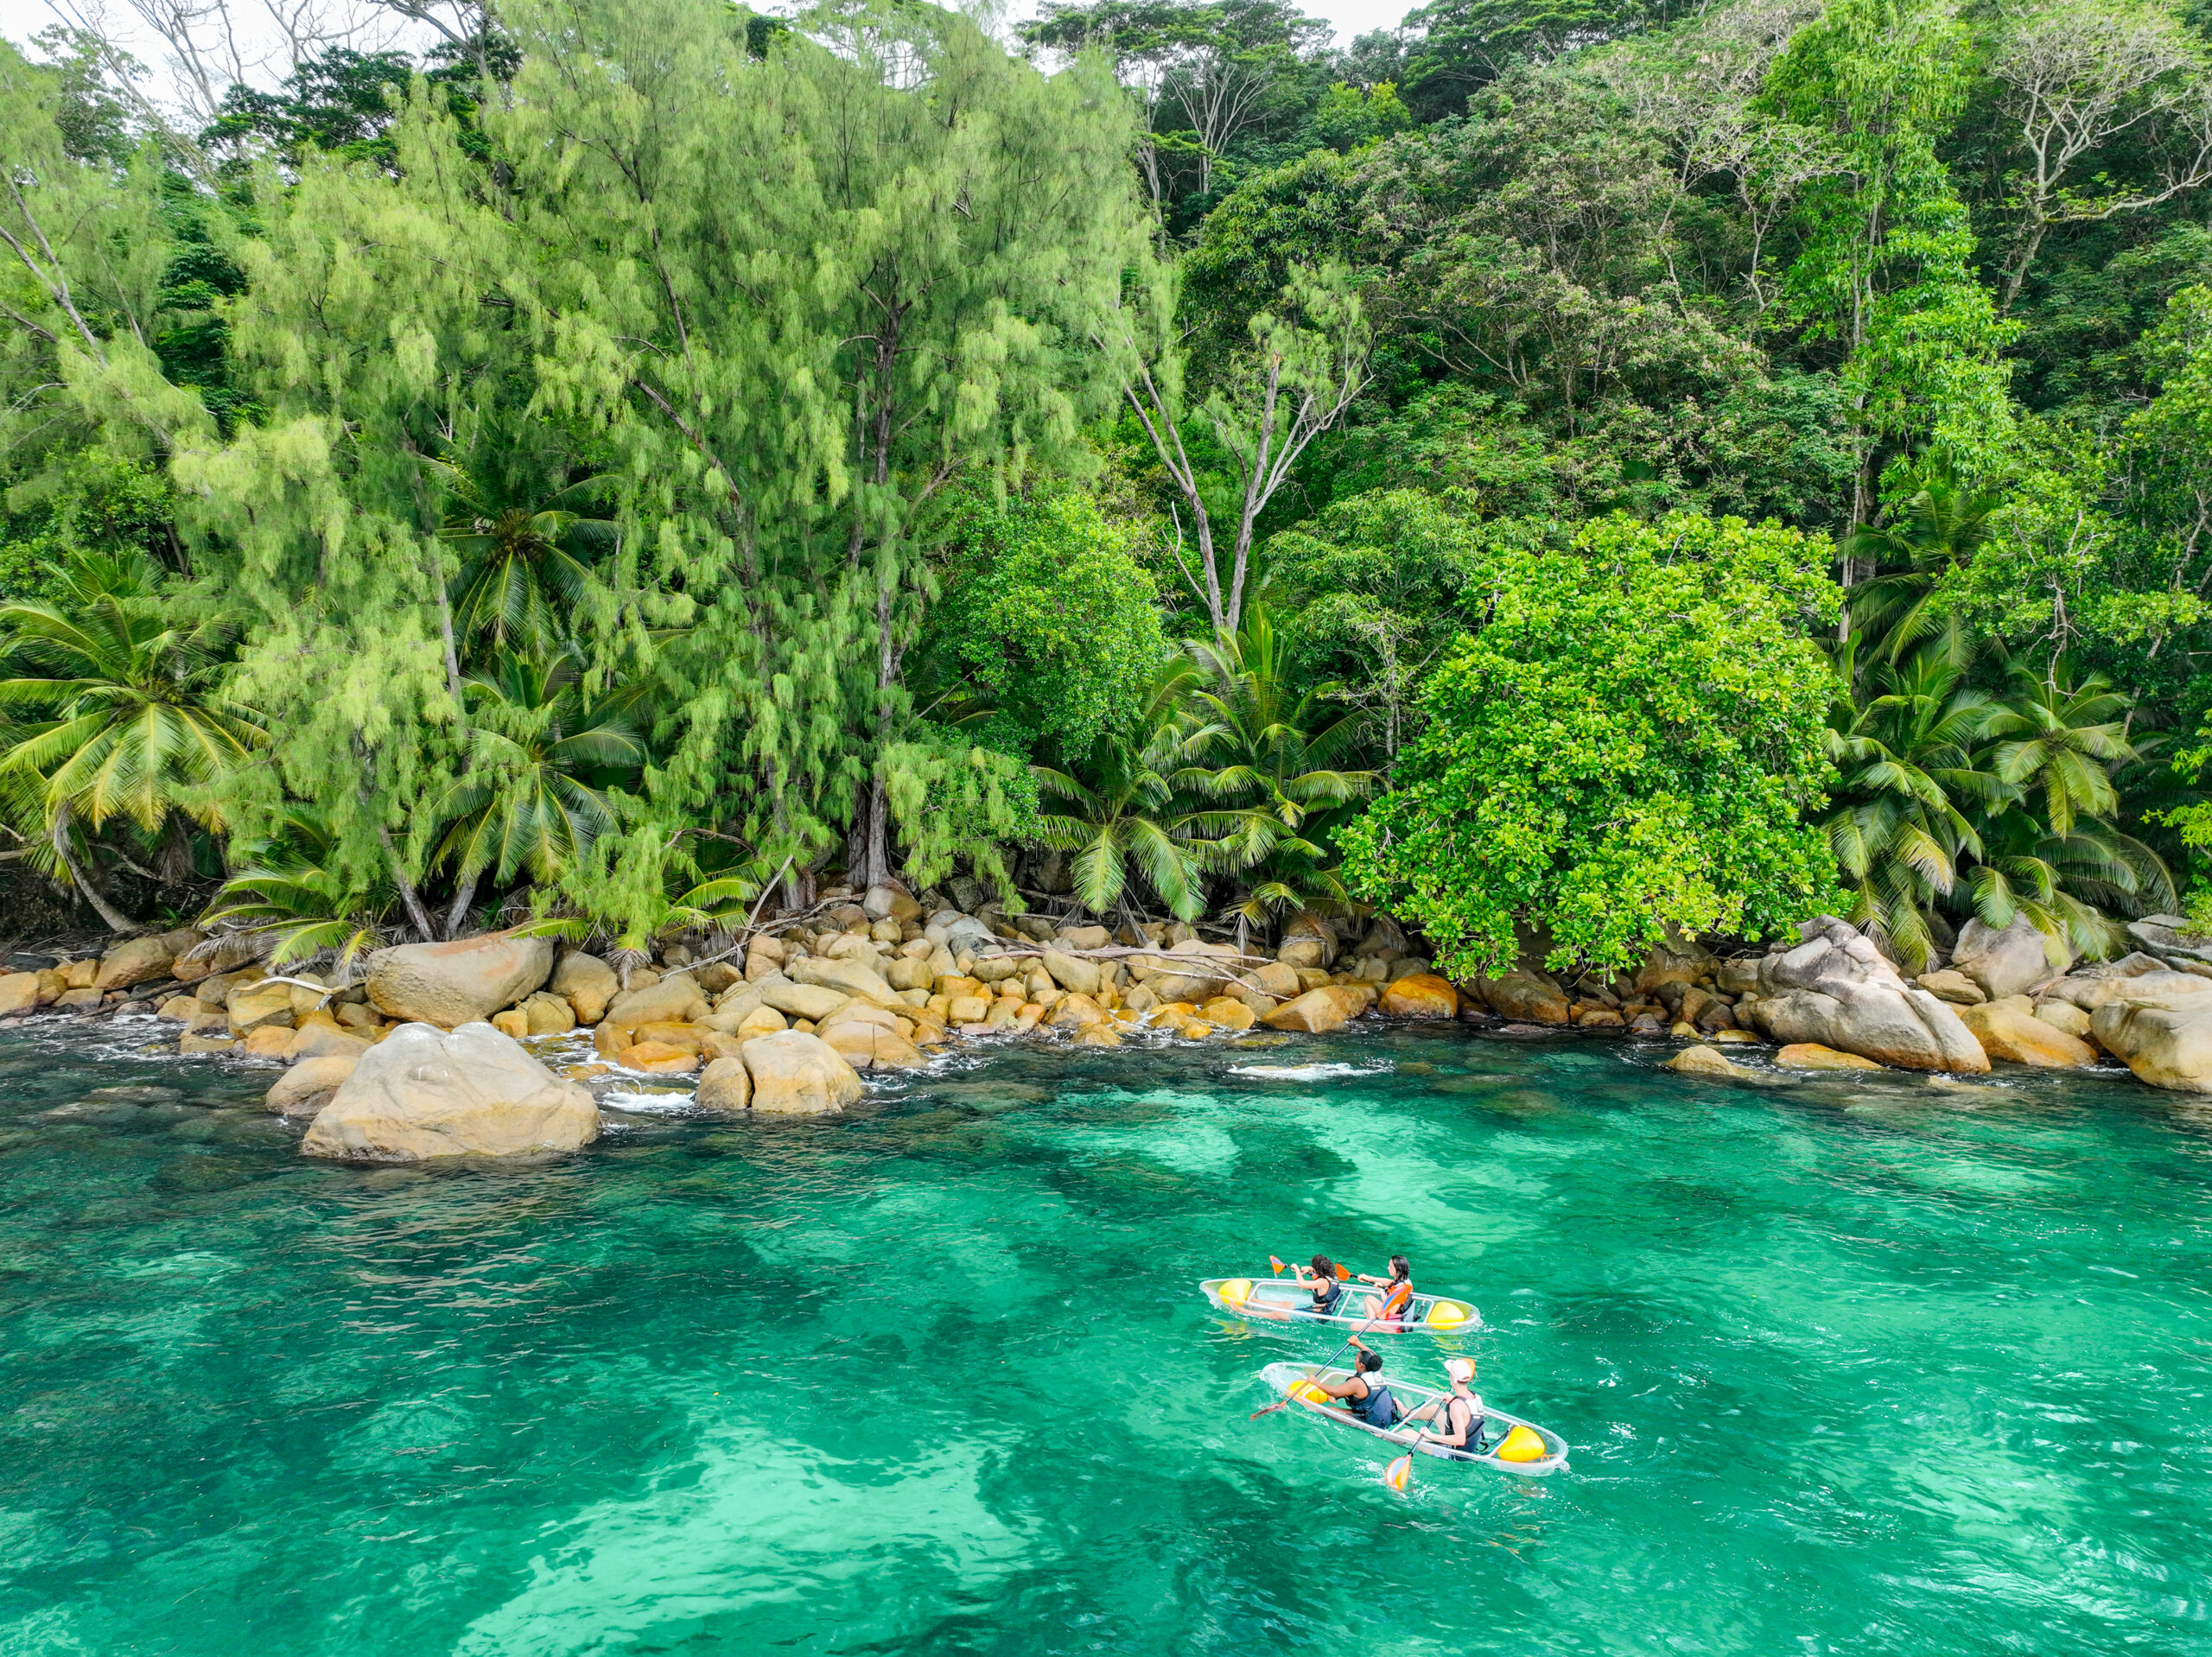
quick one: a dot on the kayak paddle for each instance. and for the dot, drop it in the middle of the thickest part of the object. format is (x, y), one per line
(1343, 1272)
(1284, 1400)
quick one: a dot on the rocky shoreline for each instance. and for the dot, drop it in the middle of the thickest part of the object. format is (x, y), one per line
(430, 1053)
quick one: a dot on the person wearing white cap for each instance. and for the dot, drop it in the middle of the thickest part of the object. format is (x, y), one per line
(1461, 1422)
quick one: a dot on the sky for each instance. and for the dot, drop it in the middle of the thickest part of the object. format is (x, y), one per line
(20, 19)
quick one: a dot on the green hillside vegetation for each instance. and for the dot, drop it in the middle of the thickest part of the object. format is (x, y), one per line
(1555, 472)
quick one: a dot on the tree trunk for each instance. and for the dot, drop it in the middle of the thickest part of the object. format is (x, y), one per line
(408, 895)
(461, 899)
(116, 920)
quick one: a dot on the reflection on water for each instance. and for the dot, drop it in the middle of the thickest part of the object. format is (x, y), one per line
(1851, 1365)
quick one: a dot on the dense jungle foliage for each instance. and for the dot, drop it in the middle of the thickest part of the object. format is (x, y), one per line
(1554, 471)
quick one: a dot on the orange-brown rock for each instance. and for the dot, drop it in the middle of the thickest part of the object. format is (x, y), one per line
(1420, 995)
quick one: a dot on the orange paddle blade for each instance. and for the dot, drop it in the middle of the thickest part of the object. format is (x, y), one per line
(1343, 1275)
(1276, 1264)
(1399, 1473)
(1281, 1403)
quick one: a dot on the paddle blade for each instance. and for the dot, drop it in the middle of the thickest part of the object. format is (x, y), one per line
(1399, 1473)
(1279, 1403)
(1343, 1275)
(1276, 1264)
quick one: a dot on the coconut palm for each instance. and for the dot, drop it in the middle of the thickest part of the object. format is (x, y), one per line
(1913, 786)
(2054, 855)
(542, 754)
(1274, 758)
(1130, 814)
(288, 900)
(130, 718)
(1939, 526)
(525, 549)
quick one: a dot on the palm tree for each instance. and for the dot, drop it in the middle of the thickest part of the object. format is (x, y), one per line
(533, 797)
(1940, 527)
(1279, 745)
(525, 551)
(136, 723)
(1133, 814)
(290, 901)
(2065, 865)
(1912, 785)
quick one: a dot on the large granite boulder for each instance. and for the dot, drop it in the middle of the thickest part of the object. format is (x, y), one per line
(675, 999)
(1834, 990)
(1675, 960)
(135, 962)
(2134, 980)
(422, 1093)
(848, 977)
(2008, 1029)
(797, 1075)
(1319, 1010)
(2169, 937)
(2009, 961)
(463, 982)
(1524, 995)
(1420, 995)
(310, 1085)
(2165, 1047)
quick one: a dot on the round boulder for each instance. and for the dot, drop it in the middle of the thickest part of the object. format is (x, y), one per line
(463, 982)
(422, 1094)
(795, 1074)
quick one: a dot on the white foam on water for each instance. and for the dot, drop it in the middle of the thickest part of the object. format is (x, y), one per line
(1310, 1072)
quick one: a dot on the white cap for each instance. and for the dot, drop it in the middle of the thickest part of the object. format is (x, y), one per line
(1459, 1369)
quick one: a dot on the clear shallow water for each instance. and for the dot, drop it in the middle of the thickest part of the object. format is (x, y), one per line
(1848, 1365)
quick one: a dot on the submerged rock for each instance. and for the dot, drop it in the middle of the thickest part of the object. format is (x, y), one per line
(423, 1093)
(1706, 1061)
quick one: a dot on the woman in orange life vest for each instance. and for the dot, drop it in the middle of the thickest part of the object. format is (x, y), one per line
(1397, 1297)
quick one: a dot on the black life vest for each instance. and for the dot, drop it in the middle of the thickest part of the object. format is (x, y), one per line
(1325, 1303)
(1378, 1408)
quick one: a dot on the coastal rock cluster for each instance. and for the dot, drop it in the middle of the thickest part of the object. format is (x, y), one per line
(423, 1056)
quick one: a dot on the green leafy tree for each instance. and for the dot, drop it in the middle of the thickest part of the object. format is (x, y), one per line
(1051, 622)
(1633, 739)
(1938, 527)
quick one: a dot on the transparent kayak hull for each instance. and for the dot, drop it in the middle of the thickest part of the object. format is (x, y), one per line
(1287, 1300)
(1282, 1377)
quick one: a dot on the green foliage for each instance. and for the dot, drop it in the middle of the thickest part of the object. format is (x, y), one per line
(127, 717)
(1631, 740)
(1052, 622)
(284, 896)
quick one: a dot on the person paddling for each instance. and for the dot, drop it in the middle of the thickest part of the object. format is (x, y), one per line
(1397, 1297)
(1364, 1393)
(1322, 1279)
(1460, 1425)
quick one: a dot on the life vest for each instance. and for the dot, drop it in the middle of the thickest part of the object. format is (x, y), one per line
(1326, 1293)
(1378, 1408)
(1398, 1301)
(1473, 1446)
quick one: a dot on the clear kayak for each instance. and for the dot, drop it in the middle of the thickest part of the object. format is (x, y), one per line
(1291, 1301)
(1536, 1451)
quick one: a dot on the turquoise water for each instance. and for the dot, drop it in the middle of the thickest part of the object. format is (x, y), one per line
(1851, 1366)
